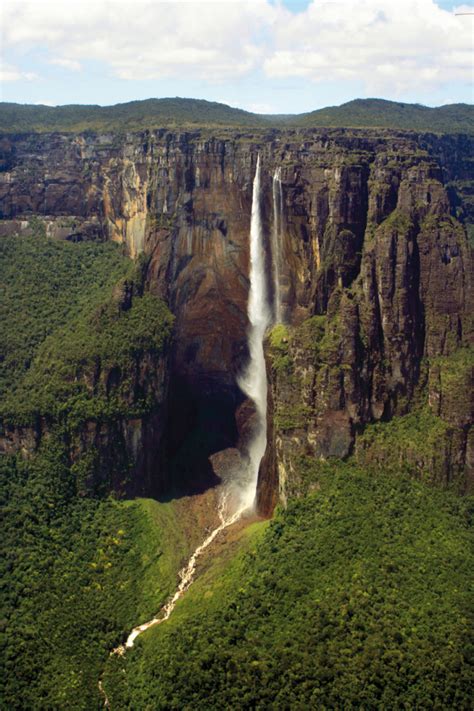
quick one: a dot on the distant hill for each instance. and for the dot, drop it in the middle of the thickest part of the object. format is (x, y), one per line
(150, 113)
(392, 114)
(177, 112)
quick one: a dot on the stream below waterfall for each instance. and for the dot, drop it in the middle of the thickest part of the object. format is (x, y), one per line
(186, 575)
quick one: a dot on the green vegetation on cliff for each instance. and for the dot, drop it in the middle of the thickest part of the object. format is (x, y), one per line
(45, 284)
(355, 597)
(71, 320)
(65, 376)
(413, 444)
(313, 363)
(422, 442)
(196, 113)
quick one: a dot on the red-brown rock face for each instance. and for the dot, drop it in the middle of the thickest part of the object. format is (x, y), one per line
(369, 237)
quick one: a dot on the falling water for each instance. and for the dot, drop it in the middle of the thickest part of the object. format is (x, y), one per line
(276, 241)
(239, 496)
(254, 379)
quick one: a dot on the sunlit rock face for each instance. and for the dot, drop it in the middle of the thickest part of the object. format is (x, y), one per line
(368, 236)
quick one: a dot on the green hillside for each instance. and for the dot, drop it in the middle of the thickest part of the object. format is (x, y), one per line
(176, 112)
(355, 597)
(46, 284)
(78, 573)
(391, 114)
(71, 558)
(61, 319)
(129, 116)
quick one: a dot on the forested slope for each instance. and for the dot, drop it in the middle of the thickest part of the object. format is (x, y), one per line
(356, 596)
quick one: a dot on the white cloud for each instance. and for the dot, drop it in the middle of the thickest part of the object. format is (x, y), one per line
(145, 39)
(466, 9)
(71, 64)
(398, 46)
(260, 108)
(254, 107)
(388, 46)
(230, 102)
(9, 73)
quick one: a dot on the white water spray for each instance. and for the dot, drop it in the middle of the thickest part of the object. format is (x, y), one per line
(276, 241)
(253, 381)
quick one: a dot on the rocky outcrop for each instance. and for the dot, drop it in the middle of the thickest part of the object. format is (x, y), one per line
(125, 441)
(390, 306)
(373, 243)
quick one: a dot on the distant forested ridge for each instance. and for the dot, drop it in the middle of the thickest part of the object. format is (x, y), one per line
(174, 112)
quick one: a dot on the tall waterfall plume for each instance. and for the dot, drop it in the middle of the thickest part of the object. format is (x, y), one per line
(253, 381)
(276, 242)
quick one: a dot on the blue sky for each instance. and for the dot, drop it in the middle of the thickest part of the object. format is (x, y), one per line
(269, 56)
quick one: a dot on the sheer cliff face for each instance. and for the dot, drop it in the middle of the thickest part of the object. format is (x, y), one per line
(369, 238)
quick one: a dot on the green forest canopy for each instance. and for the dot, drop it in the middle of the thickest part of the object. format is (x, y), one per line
(175, 112)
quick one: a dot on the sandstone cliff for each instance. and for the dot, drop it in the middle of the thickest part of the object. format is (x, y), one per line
(375, 250)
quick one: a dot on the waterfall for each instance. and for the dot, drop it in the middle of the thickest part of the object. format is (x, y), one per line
(253, 380)
(237, 496)
(276, 241)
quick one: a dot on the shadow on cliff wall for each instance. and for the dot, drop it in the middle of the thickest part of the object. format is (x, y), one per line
(201, 422)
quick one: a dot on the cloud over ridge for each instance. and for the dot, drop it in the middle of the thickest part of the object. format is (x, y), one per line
(376, 42)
